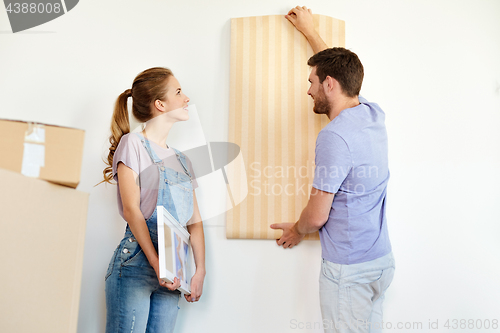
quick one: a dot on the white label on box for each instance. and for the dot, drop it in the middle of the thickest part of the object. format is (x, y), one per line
(35, 133)
(33, 159)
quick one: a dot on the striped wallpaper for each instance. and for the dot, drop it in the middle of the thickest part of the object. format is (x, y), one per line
(271, 119)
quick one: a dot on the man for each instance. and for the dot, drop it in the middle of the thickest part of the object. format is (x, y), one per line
(347, 202)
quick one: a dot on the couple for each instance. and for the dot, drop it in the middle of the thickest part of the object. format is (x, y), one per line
(357, 263)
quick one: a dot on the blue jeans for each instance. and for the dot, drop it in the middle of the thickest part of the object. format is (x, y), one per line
(351, 296)
(135, 301)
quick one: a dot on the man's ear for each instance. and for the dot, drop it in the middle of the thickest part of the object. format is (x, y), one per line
(330, 84)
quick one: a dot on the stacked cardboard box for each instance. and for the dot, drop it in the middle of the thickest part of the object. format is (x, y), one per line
(43, 229)
(52, 153)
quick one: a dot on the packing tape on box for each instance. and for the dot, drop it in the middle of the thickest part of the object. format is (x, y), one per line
(34, 150)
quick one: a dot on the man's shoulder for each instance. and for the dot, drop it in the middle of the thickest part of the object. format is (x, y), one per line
(370, 105)
(362, 100)
(351, 121)
(331, 130)
(332, 136)
(340, 127)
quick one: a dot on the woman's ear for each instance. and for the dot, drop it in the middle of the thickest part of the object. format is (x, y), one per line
(159, 105)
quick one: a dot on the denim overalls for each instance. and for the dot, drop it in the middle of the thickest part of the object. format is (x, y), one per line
(135, 301)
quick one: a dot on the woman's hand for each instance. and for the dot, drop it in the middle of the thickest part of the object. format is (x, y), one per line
(196, 287)
(170, 286)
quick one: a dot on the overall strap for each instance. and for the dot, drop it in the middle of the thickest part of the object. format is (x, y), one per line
(164, 194)
(163, 191)
(182, 160)
(145, 142)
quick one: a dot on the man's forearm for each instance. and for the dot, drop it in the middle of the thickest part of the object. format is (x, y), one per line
(316, 42)
(307, 225)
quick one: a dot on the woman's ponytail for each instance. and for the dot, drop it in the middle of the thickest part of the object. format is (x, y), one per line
(120, 125)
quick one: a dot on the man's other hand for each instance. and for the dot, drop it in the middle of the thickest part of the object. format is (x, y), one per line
(290, 236)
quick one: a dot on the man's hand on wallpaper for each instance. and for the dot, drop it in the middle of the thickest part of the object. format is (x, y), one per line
(290, 236)
(302, 19)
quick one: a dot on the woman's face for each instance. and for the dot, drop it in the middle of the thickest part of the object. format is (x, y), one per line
(175, 97)
(175, 102)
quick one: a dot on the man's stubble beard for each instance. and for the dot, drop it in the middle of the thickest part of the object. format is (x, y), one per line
(321, 105)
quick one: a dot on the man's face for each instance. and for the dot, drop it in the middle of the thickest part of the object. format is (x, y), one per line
(317, 92)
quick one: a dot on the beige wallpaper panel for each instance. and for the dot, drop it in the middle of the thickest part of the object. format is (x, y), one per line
(271, 119)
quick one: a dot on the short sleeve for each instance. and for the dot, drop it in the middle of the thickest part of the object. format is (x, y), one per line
(333, 162)
(127, 153)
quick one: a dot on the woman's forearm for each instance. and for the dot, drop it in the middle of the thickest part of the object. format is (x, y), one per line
(198, 245)
(139, 229)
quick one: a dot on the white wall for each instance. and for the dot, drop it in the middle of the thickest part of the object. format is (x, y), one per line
(432, 66)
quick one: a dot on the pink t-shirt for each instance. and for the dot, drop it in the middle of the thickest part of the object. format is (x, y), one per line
(132, 153)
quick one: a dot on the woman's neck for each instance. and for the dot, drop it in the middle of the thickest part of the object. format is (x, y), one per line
(157, 130)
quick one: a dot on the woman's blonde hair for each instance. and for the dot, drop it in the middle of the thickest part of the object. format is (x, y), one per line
(148, 86)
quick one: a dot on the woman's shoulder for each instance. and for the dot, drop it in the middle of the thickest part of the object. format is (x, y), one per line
(129, 140)
(128, 152)
(128, 148)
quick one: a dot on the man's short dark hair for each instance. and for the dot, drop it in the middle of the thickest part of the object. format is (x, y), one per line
(342, 65)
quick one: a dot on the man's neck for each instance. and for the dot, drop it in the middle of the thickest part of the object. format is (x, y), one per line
(342, 104)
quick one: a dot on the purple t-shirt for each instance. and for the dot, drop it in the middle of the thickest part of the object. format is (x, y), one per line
(132, 153)
(351, 161)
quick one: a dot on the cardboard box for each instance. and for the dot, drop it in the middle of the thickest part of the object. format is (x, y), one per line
(52, 153)
(43, 233)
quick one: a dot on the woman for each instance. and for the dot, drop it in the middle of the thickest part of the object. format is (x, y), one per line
(149, 173)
